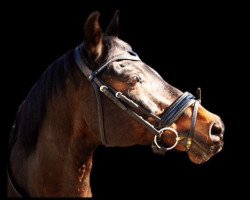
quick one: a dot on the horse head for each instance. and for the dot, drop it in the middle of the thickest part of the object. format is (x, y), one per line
(145, 88)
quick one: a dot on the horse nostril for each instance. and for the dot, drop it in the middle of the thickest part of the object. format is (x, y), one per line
(216, 132)
(216, 129)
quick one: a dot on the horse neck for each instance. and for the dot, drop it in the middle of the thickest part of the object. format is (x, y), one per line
(62, 161)
(65, 145)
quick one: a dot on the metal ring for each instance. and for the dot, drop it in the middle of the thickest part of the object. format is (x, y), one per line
(118, 94)
(103, 88)
(161, 132)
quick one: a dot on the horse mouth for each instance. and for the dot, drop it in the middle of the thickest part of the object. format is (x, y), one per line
(200, 153)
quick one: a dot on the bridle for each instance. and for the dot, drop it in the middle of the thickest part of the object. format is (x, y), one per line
(169, 116)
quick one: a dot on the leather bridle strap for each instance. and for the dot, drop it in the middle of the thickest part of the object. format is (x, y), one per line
(81, 62)
(176, 109)
(193, 123)
(99, 86)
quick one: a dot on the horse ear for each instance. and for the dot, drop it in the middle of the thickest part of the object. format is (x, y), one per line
(113, 26)
(93, 36)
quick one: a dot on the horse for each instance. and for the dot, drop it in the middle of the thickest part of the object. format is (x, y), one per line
(79, 103)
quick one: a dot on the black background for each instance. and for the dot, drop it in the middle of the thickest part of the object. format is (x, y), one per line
(190, 45)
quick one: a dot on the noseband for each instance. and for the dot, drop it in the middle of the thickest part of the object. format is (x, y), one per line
(170, 115)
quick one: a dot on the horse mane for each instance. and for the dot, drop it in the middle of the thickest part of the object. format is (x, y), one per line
(32, 111)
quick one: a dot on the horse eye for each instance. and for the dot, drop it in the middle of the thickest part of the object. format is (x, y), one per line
(134, 80)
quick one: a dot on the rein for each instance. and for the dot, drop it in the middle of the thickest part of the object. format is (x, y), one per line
(169, 116)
